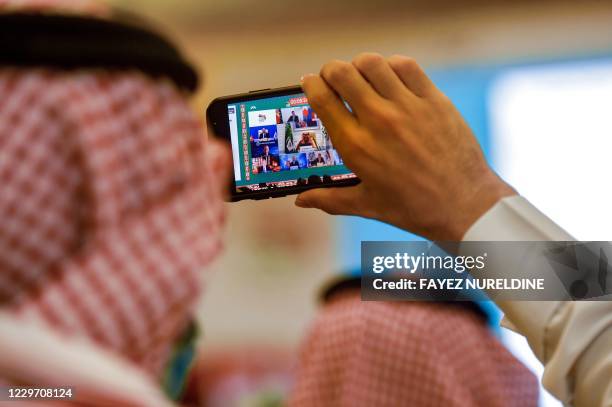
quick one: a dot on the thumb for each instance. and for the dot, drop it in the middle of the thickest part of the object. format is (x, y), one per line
(335, 201)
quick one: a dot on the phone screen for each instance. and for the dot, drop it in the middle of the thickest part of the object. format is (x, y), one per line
(279, 142)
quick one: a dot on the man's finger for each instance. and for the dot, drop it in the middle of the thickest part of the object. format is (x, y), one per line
(335, 201)
(348, 82)
(376, 69)
(413, 76)
(338, 121)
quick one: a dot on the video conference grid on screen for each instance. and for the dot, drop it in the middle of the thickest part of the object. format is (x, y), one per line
(279, 140)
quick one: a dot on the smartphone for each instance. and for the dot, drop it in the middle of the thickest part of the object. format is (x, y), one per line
(279, 145)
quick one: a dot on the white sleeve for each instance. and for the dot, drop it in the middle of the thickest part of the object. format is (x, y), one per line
(572, 339)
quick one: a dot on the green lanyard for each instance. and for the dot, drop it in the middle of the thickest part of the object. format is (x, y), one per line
(180, 363)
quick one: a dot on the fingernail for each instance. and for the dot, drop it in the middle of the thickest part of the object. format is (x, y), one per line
(304, 77)
(301, 203)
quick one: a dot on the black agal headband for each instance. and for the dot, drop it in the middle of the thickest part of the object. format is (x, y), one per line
(72, 42)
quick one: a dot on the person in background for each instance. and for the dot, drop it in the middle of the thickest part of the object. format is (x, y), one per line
(448, 192)
(267, 159)
(329, 158)
(405, 353)
(263, 134)
(294, 162)
(111, 205)
(305, 141)
(279, 117)
(293, 118)
(319, 160)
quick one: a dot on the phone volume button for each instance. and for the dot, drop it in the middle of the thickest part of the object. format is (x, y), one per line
(258, 90)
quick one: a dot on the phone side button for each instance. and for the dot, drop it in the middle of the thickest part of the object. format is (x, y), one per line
(259, 90)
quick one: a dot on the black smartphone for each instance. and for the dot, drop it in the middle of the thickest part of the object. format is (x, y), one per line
(279, 145)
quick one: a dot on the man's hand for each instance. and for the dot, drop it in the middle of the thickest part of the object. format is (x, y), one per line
(421, 167)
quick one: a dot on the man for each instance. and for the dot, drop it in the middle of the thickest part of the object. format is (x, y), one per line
(305, 141)
(447, 192)
(266, 157)
(293, 118)
(111, 202)
(391, 353)
(294, 162)
(319, 160)
(263, 134)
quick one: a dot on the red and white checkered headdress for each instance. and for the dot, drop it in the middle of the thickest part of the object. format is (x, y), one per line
(110, 206)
